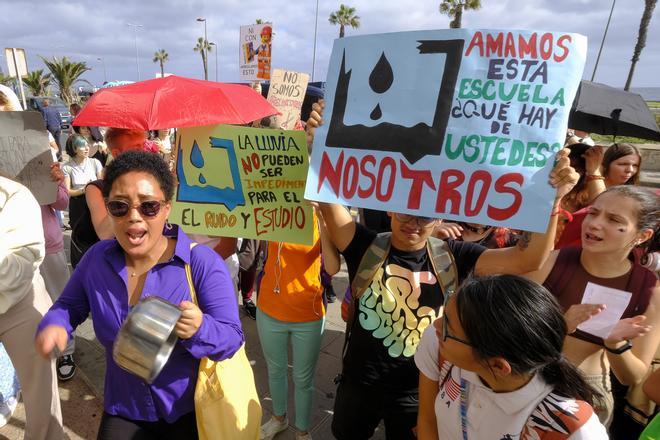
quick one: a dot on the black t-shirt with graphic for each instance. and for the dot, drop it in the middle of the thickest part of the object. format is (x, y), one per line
(403, 299)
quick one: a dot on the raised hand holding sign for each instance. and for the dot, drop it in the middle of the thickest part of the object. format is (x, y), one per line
(462, 125)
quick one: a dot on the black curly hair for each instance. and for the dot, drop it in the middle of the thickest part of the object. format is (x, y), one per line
(143, 161)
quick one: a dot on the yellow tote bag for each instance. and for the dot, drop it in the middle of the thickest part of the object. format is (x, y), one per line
(226, 402)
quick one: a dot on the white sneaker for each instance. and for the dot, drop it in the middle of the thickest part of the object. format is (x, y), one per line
(273, 427)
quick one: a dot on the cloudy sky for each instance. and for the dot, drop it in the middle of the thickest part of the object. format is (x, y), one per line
(89, 30)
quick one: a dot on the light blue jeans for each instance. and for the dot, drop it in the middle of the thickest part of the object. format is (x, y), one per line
(9, 386)
(306, 344)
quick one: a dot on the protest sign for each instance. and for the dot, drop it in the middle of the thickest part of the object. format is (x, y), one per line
(287, 93)
(455, 124)
(255, 52)
(25, 153)
(242, 182)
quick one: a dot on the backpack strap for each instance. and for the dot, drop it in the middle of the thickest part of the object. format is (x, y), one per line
(444, 265)
(556, 417)
(191, 285)
(372, 260)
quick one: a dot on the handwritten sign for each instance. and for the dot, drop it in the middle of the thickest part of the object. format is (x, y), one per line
(25, 153)
(287, 93)
(255, 52)
(454, 124)
(242, 182)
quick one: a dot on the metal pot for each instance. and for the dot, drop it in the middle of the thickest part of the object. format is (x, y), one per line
(146, 339)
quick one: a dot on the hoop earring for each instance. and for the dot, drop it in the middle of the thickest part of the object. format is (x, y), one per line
(168, 225)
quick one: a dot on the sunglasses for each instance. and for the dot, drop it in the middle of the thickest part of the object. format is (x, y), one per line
(445, 325)
(119, 208)
(421, 221)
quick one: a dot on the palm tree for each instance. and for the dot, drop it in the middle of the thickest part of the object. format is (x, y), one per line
(454, 8)
(6, 80)
(345, 16)
(203, 47)
(259, 21)
(641, 38)
(161, 57)
(37, 82)
(66, 73)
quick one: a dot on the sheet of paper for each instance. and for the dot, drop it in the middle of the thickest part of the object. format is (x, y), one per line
(25, 155)
(616, 302)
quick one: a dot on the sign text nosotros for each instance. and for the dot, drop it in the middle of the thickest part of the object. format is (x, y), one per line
(488, 159)
(455, 192)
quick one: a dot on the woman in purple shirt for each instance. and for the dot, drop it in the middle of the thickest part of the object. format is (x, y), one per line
(148, 257)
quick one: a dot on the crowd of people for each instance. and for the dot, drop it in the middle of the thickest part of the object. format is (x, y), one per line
(453, 330)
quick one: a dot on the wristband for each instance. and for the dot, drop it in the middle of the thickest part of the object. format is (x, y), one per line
(619, 350)
(566, 214)
(591, 177)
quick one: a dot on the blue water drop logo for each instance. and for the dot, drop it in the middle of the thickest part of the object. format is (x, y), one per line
(197, 160)
(196, 157)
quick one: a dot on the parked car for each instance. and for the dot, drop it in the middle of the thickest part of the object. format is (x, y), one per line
(36, 103)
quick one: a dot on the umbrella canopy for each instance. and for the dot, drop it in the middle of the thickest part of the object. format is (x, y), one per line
(607, 110)
(173, 102)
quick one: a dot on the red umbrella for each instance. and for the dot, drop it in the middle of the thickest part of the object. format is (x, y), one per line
(173, 102)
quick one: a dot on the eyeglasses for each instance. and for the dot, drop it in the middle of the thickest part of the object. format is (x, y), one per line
(421, 221)
(445, 326)
(148, 208)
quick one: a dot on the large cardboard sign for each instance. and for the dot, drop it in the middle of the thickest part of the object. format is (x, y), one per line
(255, 52)
(242, 182)
(454, 124)
(287, 93)
(25, 154)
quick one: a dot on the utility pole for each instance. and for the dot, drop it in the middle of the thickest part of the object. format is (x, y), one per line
(216, 60)
(316, 25)
(105, 74)
(137, 53)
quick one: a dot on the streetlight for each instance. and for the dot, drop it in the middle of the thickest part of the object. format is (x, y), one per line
(216, 60)
(137, 54)
(206, 52)
(316, 25)
(105, 75)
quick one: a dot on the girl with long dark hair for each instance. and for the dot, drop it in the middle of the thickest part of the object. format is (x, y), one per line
(492, 367)
(620, 220)
(619, 164)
